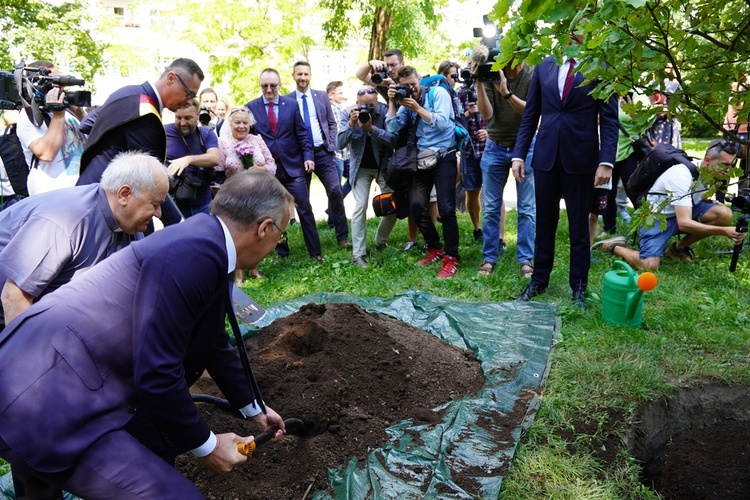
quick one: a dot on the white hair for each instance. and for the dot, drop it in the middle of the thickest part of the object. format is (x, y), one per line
(134, 168)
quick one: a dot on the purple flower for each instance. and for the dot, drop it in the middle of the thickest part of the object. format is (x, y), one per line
(245, 152)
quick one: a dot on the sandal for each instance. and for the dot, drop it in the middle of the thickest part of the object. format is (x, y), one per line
(526, 271)
(486, 268)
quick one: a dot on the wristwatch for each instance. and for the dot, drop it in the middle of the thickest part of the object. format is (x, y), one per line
(508, 95)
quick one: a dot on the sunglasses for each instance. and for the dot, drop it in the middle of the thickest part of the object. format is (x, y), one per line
(729, 146)
(243, 109)
(366, 91)
(189, 94)
(272, 86)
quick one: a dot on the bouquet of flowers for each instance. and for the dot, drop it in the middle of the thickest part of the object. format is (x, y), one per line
(245, 152)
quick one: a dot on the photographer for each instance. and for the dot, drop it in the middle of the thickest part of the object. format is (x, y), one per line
(436, 166)
(501, 102)
(53, 147)
(386, 71)
(685, 210)
(192, 154)
(362, 128)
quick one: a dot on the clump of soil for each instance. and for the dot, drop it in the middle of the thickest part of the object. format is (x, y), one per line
(348, 374)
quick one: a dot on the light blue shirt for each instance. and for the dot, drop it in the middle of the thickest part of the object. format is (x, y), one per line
(317, 133)
(436, 135)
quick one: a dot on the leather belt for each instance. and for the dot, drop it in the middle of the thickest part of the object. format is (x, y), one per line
(322, 147)
(507, 144)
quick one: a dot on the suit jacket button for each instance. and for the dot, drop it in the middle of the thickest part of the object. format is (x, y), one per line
(132, 408)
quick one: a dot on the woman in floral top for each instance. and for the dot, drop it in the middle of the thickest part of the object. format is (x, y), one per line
(243, 149)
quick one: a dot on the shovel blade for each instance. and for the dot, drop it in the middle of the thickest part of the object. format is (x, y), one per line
(246, 309)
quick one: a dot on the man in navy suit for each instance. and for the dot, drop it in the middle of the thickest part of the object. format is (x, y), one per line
(575, 150)
(130, 120)
(279, 123)
(94, 390)
(315, 109)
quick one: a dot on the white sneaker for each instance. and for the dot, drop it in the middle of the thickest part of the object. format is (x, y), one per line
(409, 245)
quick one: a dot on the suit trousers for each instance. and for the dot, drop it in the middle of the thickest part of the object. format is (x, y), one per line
(116, 466)
(297, 187)
(362, 185)
(325, 169)
(443, 177)
(577, 190)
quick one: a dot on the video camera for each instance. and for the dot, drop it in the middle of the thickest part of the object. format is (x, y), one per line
(26, 86)
(485, 53)
(365, 112)
(402, 90)
(741, 202)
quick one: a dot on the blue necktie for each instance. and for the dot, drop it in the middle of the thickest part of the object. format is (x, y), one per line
(306, 114)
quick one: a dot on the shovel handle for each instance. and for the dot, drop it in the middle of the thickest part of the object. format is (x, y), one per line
(246, 449)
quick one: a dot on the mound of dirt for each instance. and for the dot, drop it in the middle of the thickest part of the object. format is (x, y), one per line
(348, 374)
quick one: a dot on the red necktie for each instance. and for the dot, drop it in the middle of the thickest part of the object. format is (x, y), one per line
(569, 79)
(272, 118)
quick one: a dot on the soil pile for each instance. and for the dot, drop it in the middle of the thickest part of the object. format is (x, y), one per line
(348, 374)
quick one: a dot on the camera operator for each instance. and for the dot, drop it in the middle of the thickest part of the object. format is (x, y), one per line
(686, 212)
(501, 103)
(436, 146)
(362, 128)
(52, 148)
(208, 100)
(471, 156)
(192, 154)
(386, 71)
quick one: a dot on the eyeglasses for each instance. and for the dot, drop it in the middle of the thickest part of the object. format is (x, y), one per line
(272, 86)
(283, 238)
(366, 91)
(189, 94)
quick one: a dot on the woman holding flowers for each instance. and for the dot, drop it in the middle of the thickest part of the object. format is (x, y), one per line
(243, 150)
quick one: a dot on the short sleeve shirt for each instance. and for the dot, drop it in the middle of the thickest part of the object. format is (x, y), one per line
(48, 239)
(675, 184)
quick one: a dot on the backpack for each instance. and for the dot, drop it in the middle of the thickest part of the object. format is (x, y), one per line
(461, 126)
(11, 152)
(655, 163)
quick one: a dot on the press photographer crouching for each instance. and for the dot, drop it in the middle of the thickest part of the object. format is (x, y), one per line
(192, 154)
(685, 210)
(362, 127)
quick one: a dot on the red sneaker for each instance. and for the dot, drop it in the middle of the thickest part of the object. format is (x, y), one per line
(434, 256)
(450, 267)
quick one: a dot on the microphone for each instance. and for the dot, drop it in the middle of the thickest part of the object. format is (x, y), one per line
(480, 54)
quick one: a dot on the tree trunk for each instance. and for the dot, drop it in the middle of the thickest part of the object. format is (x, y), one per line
(380, 28)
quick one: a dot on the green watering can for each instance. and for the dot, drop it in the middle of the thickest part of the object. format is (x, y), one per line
(622, 296)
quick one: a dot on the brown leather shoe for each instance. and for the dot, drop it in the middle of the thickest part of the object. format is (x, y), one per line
(345, 244)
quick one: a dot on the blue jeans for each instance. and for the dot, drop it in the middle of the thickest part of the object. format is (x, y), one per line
(495, 165)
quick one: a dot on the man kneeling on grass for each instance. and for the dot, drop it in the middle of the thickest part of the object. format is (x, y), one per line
(685, 211)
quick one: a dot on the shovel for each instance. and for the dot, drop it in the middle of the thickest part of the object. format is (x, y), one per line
(246, 309)
(293, 426)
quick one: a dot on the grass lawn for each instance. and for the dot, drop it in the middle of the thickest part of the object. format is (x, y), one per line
(696, 325)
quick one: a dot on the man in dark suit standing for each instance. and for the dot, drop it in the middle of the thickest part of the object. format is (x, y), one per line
(315, 109)
(130, 120)
(280, 125)
(575, 150)
(94, 390)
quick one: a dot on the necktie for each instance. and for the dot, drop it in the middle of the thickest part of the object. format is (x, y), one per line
(272, 118)
(569, 79)
(306, 114)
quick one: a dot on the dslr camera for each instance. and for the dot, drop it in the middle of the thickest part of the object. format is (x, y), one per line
(365, 112)
(741, 202)
(204, 116)
(466, 77)
(378, 77)
(402, 90)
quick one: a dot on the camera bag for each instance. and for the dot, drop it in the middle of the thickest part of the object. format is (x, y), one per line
(14, 161)
(384, 204)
